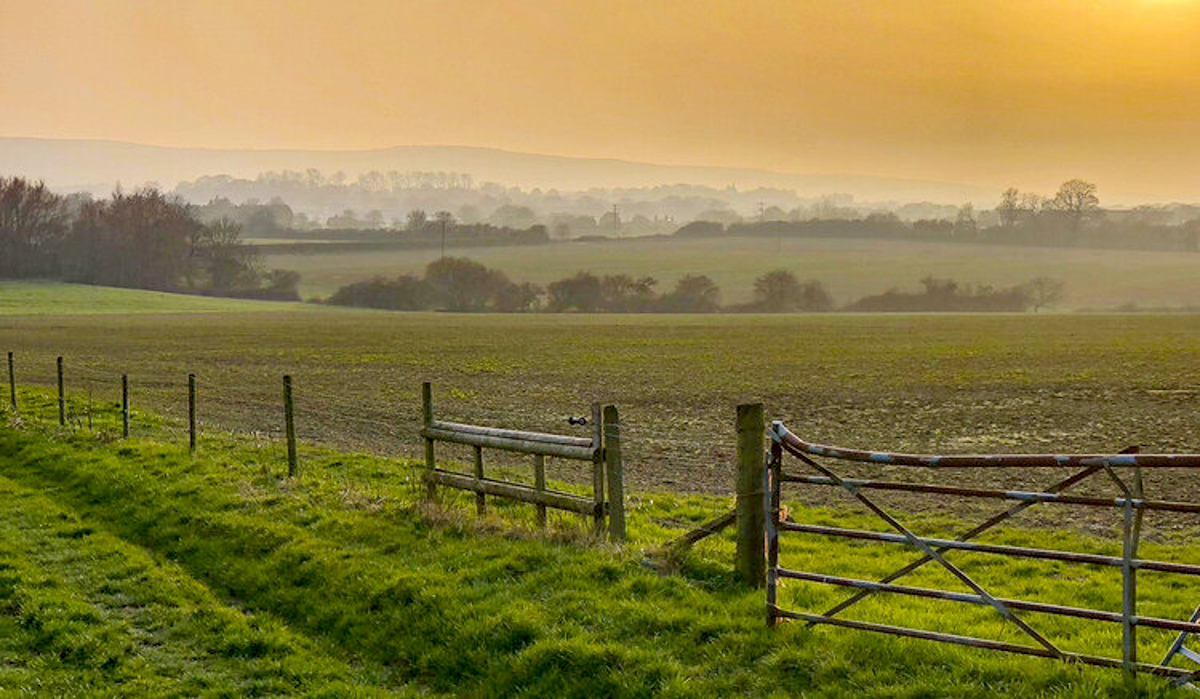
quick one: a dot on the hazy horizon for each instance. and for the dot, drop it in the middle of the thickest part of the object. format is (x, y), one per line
(973, 94)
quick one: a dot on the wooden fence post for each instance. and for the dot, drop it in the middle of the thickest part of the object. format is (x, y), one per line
(480, 498)
(539, 482)
(616, 485)
(62, 406)
(598, 468)
(290, 426)
(750, 562)
(427, 417)
(124, 406)
(191, 412)
(12, 383)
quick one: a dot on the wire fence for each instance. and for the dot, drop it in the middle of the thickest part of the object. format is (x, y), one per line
(347, 408)
(383, 420)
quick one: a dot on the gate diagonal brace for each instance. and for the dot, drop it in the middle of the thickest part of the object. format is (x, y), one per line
(990, 523)
(1177, 648)
(929, 552)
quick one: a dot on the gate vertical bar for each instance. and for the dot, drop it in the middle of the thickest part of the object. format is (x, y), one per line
(750, 517)
(616, 475)
(1128, 596)
(771, 497)
(1132, 531)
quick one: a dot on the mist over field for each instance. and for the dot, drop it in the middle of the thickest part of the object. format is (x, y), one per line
(600, 349)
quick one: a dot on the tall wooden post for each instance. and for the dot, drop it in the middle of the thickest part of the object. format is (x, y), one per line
(290, 426)
(191, 412)
(62, 404)
(125, 406)
(616, 474)
(539, 483)
(12, 383)
(480, 498)
(427, 418)
(598, 468)
(750, 562)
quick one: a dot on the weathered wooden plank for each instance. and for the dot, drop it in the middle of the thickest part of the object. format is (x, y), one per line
(513, 434)
(515, 491)
(289, 423)
(616, 474)
(750, 560)
(430, 459)
(539, 483)
(562, 451)
(713, 526)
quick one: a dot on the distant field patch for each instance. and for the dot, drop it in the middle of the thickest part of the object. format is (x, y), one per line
(54, 298)
(849, 268)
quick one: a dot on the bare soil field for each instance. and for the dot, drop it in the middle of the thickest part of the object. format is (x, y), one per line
(1020, 383)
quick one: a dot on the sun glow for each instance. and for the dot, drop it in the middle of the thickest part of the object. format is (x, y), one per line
(969, 91)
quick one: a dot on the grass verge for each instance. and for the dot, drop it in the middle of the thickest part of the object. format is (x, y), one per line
(342, 581)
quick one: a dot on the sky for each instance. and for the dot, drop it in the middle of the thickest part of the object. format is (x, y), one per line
(984, 92)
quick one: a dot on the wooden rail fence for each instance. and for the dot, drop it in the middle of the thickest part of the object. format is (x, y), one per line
(602, 450)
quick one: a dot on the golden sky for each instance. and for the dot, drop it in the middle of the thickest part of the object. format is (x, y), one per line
(990, 92)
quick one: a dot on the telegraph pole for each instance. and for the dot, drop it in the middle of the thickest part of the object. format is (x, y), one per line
(443, 238)
(616, 222)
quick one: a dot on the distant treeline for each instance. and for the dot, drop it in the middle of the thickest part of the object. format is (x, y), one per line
(1072, 217)
(376, 201)
(141, 240)
(460, 284)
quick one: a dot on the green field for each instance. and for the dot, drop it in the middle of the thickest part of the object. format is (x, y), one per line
(55, 299)
(850, 269)
(343, 584)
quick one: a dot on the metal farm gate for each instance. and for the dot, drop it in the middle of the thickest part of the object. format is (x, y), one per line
(1125, 472)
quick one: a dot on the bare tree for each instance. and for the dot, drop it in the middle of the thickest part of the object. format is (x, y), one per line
(417, 218)
(965, 225)
(1043, 292)
(1009, 208)
(33, 222)
(1077, 201)
(779, 290)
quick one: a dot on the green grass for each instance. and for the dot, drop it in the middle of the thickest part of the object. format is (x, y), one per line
(339, 581)
(57, 299)
(849, 268)
(84, 613)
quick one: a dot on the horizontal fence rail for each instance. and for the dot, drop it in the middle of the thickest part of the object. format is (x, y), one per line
(513, 440)
(1129, 500)
(785, 437)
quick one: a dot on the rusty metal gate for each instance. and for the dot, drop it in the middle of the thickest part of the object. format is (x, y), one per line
(1124, 470)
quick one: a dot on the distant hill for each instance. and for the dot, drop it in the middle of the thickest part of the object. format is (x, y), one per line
(97, 166)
